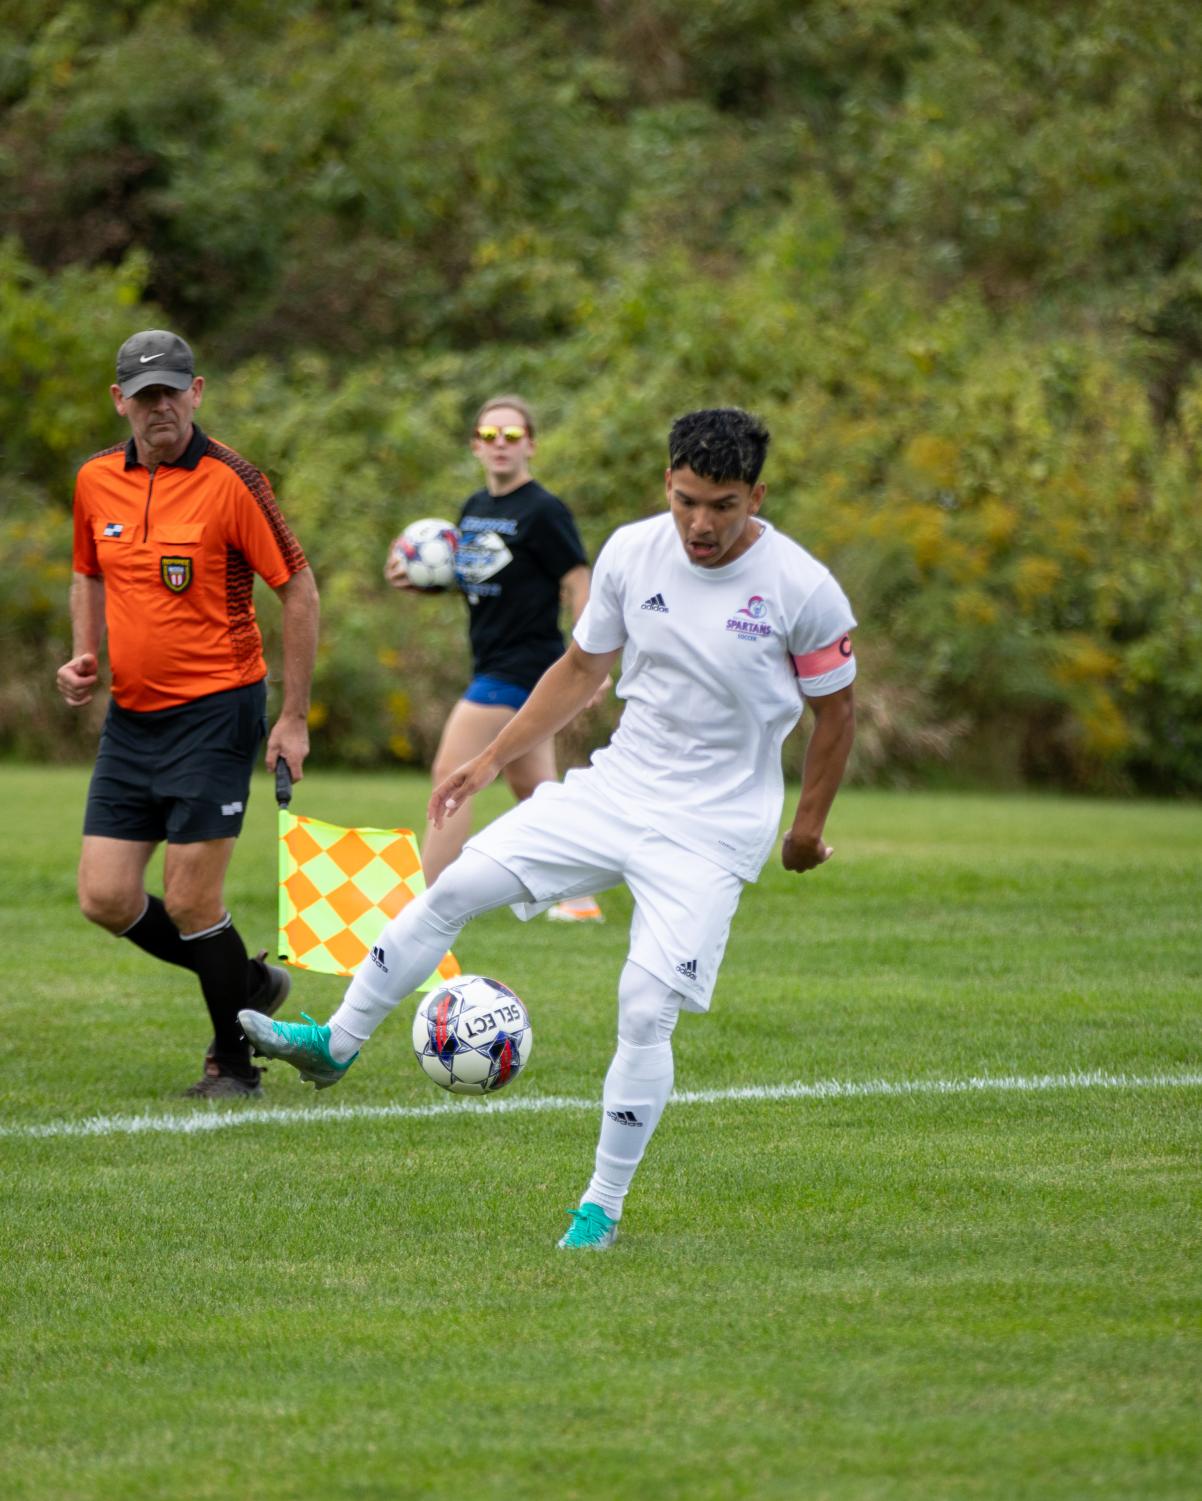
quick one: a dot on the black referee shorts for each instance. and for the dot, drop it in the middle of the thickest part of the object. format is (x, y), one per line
(179, 774)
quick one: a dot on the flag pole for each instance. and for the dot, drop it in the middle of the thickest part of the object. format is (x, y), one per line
(283, 796)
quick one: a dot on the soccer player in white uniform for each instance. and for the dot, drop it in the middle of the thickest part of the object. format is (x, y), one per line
(725, 629)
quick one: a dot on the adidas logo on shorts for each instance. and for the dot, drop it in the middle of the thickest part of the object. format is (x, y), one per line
(688, 969)
(656, 602)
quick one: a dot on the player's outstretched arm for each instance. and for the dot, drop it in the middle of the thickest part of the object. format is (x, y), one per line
(558, 696)
(826, 760)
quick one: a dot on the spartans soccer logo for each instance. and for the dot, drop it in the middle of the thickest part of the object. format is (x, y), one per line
(176, 573)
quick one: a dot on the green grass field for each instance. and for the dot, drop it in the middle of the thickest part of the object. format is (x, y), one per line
(968, 1267)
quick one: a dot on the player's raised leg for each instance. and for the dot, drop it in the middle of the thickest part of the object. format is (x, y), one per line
(407, 952)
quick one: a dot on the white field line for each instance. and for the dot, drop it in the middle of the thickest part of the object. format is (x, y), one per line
(214, 1119)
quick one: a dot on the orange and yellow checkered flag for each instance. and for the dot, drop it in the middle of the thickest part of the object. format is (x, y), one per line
(338, 887)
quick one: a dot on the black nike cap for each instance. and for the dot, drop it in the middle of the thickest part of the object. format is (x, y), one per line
(154, 358)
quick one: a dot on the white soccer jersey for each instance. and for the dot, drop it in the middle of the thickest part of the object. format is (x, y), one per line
(715, 666)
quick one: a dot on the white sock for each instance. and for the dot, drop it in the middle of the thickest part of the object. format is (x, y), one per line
(343, 1047)
(411, 946)
(637, 1087)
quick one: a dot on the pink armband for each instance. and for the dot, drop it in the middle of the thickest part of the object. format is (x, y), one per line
(825, 659)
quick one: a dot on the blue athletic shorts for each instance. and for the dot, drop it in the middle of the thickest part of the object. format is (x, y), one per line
(496, 692)
(179, 774)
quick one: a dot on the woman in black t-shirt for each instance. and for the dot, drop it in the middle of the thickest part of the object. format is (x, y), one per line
(520, 555)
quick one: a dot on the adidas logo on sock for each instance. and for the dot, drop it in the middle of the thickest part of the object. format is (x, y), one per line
(688, 969)
(377, 958)
(624, 1117)
(656, 602)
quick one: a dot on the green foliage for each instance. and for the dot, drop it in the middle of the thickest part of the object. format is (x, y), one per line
(954, 260)
(58, 339)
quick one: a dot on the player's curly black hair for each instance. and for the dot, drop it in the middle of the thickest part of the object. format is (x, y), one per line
(720, 443)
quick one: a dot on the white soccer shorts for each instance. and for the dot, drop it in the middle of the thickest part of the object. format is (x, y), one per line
(571, 838)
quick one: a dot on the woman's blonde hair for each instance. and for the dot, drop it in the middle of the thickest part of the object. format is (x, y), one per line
(516, 402)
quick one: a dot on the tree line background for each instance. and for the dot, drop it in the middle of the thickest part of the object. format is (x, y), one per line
(951, 254)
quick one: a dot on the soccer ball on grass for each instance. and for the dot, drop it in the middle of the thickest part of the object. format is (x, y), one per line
(428, 548)
(472, 1035)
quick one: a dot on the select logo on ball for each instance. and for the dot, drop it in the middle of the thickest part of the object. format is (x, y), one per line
(472, 1036)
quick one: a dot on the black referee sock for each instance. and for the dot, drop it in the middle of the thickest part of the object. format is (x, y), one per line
(221, 965)
(157, 935)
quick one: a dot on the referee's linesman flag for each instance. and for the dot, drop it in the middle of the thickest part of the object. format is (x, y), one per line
(338, 887)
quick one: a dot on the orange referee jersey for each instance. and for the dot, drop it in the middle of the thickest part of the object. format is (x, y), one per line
(178, 550)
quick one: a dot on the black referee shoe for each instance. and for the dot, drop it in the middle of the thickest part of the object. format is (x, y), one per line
(268, 996)
(221, 1081)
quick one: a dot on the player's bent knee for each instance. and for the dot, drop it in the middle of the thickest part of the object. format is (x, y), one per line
(472, 884)
(433, 919)
(648, 1010)
(114, 910)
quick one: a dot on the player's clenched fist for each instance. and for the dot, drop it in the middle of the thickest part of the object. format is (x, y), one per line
(804, 854)
(77, 678)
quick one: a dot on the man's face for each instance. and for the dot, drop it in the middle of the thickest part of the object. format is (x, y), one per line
(713, 517)
(504, 457)
(160, 417)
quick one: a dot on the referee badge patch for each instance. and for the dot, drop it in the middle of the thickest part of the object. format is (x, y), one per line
(176, 573)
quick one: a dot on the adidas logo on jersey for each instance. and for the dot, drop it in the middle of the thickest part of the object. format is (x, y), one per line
(688, 969)
(656, 602)
(624, 1117)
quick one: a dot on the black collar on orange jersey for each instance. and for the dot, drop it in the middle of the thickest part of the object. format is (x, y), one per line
(189, 459)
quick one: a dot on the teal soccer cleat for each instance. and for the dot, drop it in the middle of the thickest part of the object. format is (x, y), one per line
(305, 1045)
(591, 1230)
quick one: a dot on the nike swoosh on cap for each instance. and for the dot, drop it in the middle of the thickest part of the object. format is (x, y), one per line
(145, 359)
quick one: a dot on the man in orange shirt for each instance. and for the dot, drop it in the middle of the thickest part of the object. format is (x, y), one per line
(171, 528)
